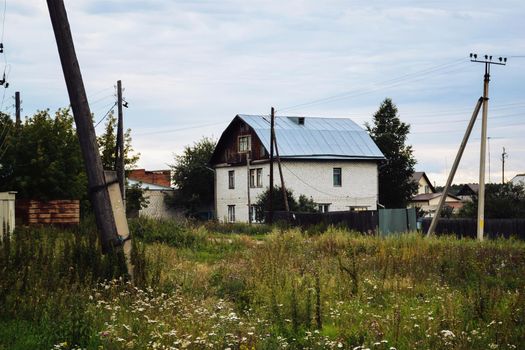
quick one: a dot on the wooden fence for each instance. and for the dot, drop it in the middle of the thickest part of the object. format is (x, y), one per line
(361, 221)
(55, 212)
(468, 227)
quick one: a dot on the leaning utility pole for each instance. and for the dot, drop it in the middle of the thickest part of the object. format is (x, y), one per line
(119, 150)
(98, 191)
(283, 187)
(272, 121)
(483, 155)
(504, 156)
(17, 109)
(443, 198)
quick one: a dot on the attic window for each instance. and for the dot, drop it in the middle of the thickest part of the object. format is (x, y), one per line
(300, 121)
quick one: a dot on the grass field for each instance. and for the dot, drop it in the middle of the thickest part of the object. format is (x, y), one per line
(239, 287)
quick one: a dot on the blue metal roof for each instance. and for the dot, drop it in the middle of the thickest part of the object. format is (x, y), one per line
(317, 138)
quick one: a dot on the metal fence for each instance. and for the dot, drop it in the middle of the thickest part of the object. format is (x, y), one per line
(361, 221)
(468, 227)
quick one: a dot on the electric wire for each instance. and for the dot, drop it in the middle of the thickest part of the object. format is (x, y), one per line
(105, 115)
(382, 85)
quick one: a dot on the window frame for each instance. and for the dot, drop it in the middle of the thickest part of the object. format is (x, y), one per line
(256, 178)
(231, 213)
(231, 179)
(337, 176)
(248, 143)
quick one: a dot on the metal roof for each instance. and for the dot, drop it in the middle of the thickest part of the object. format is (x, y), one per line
(317, 138)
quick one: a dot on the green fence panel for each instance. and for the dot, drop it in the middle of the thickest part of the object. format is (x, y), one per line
(393, 221)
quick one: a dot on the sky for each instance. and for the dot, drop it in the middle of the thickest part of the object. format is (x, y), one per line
(188, 67)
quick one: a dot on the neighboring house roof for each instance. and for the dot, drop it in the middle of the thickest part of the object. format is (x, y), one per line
(468, 190)
(313, 138)
(518, 179)
(429, 196)
(418, 175)
(148, 186)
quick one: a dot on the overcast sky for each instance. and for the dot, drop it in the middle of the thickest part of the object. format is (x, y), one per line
(188, 67)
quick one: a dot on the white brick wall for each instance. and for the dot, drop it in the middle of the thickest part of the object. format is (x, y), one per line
(311, 178)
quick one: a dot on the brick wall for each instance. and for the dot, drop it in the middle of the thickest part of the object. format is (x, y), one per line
(156, 177)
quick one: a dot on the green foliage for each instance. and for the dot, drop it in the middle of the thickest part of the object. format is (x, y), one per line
(304, 204)
(46, 285)
(395, 173)
(193, 178)
(43, 159)
(107, 143)
(502, 201)
(135, 199)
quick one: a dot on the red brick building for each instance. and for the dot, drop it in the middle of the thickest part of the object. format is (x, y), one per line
(155, 177)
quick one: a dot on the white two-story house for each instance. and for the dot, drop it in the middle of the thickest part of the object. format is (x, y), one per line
(330, 160)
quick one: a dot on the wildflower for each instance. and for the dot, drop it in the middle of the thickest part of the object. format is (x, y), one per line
(447, 334)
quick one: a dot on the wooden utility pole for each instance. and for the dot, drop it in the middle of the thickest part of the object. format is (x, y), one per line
(248, 187)
(98, 191)
(17, 109)
(504, 156)
(283, 187)
(272, 121)
(119, 150)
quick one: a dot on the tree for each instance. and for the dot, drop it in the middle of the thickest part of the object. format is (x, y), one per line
(107, 143)
(395, 172)
(43, 159)
(502, 201)
(303, 204)
(193, 178)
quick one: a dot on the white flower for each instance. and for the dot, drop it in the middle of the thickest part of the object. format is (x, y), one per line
(447, 334)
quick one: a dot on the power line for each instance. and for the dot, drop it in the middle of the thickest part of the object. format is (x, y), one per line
(178, 129)
(105, 115)
(385, 84)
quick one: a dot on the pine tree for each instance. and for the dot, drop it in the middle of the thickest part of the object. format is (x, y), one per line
(395, 172)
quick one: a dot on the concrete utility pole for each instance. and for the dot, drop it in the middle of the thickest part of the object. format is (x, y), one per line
(483, 155)
(119, 150)
(272, 121)
(17, 109)
(443, 198)
(504, 156)
(98, 191)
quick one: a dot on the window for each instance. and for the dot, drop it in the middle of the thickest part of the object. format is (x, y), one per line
(337, 177)
(256, 214)
(427, 189)
(323, 208)
(255, 178)
(231, 213)
(231, 179)
(245, 143)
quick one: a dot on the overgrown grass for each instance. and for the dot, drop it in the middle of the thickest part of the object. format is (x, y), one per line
(219, 290)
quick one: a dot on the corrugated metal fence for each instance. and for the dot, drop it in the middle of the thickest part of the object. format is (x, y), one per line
(468, 227)
(361, 221)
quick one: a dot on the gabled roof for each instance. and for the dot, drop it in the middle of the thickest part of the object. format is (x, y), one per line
(418, 175)
(468, 190)
(314, 138)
